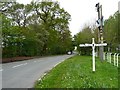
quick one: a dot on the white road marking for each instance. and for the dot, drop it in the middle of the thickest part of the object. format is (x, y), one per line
(19, 65)
(1, 70)
(58, 63)
(25, 64)
(49, 70)
(42, 76)
(38, 61)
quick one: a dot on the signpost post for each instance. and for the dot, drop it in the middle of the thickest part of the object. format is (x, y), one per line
(93, 50)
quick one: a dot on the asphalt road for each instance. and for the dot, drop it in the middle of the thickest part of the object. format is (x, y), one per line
(23, 74)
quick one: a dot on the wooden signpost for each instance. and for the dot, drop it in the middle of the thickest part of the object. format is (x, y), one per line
(93, 50)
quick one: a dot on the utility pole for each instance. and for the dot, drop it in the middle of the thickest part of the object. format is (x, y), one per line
(119, 7)
(119, 26)
(100, 32)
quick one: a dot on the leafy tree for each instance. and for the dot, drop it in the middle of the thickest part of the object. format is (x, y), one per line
(111, 31)
(35, 29)
(85, 36)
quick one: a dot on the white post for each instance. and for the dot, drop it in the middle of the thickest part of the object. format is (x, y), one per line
(104, 56)
(110, 57)
(117, 59)
(107, 57)
(93, 52)
(114, 58)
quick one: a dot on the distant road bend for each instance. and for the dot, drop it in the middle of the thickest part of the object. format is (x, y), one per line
(23, 74)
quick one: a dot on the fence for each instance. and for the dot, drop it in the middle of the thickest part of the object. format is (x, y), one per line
(112, 58)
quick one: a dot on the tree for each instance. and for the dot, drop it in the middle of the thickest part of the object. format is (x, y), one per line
(111, 31)
(52, 18)
(82, 37)
(35, 29)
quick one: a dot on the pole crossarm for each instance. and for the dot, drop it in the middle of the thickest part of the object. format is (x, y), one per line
(85, 45)
(103, 44)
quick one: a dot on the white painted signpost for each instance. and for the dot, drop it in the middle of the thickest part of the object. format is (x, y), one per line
(93, 50)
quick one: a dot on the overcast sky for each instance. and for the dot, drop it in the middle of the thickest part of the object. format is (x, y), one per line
(83, 11)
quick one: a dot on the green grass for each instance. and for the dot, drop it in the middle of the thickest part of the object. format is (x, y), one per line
(76, 72)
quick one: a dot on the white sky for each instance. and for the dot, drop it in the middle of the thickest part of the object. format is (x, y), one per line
(83, 11)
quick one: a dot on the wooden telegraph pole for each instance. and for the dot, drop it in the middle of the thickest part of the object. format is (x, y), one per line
(118, 25)
(100, 32)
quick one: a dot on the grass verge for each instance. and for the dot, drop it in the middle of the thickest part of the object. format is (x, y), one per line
(76, 72)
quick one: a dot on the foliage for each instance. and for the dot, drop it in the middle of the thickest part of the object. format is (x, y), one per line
(85, 36)
(76, 72)
(38, 28)
(112, 31)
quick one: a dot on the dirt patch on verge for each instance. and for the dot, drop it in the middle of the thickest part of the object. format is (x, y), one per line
(13, 59)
